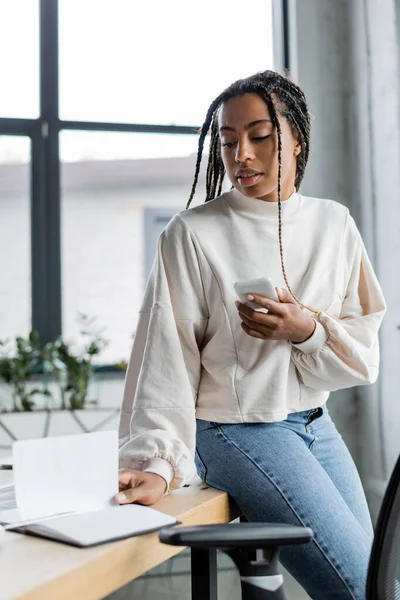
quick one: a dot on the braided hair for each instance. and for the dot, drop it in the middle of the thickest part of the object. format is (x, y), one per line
(281, 96)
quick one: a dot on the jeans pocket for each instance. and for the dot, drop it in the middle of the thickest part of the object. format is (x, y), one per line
(200, 466)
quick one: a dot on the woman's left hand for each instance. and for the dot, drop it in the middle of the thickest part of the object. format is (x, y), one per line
(285, 319)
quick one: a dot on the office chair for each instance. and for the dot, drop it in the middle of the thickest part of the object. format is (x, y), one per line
(254, 548)
(383, 581)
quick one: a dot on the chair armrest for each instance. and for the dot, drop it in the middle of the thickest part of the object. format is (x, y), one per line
(243, 535)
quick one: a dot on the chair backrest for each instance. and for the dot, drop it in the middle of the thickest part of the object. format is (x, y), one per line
(383, 581)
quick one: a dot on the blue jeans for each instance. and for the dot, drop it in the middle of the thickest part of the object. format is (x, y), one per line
(297, 471)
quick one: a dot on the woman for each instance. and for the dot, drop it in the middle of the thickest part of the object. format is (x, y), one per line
(244, 391)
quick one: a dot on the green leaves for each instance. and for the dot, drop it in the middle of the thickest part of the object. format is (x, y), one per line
(18, 362)
(69, 364)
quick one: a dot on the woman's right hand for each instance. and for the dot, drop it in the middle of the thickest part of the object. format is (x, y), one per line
(140, 487)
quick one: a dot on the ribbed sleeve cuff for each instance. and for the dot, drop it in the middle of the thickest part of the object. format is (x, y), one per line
(160, 467)
(315, 342)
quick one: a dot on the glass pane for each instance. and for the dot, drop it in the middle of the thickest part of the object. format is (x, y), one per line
(118, 189)
(15, 237)
(19, 66)
(162, 64)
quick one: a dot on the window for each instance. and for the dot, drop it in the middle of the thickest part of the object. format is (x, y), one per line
(15, 237)
(161, 63)
(19, 66)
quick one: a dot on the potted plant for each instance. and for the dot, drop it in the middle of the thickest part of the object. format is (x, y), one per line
(50, 386)
(78, 363)
(18, 364)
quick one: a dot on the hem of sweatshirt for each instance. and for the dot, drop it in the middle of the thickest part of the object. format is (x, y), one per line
(315, 342)
(228, 417)
(161, 467)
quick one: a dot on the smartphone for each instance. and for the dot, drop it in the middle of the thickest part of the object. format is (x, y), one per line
(262, 286)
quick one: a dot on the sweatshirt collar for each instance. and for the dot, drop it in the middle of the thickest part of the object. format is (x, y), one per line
(253, 207)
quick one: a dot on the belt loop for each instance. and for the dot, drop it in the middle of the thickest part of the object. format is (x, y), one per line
(315, 414)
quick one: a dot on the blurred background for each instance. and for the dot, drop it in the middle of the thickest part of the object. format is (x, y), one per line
(100, 105)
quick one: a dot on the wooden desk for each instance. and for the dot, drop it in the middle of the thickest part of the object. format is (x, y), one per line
(37, 569)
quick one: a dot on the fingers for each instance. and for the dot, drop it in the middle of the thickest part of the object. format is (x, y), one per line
(256, 317)
(252, 332)
(137, 494)
(127, 478)
(267, 326)
(272, 306)
(284, 296)
(140, 487)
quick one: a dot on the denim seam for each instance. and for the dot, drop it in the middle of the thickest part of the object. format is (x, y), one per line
(203, 466)
(283, 494)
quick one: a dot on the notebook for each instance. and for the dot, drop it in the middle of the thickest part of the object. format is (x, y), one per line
(96, 527)
(78, 475)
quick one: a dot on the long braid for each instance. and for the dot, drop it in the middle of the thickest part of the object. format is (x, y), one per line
(203, 134)
(292, 105)
(277, 124)
(214, 163)
(198, 163)
(221, 181)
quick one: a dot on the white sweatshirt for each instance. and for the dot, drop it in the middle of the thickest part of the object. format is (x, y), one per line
(190, 356)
